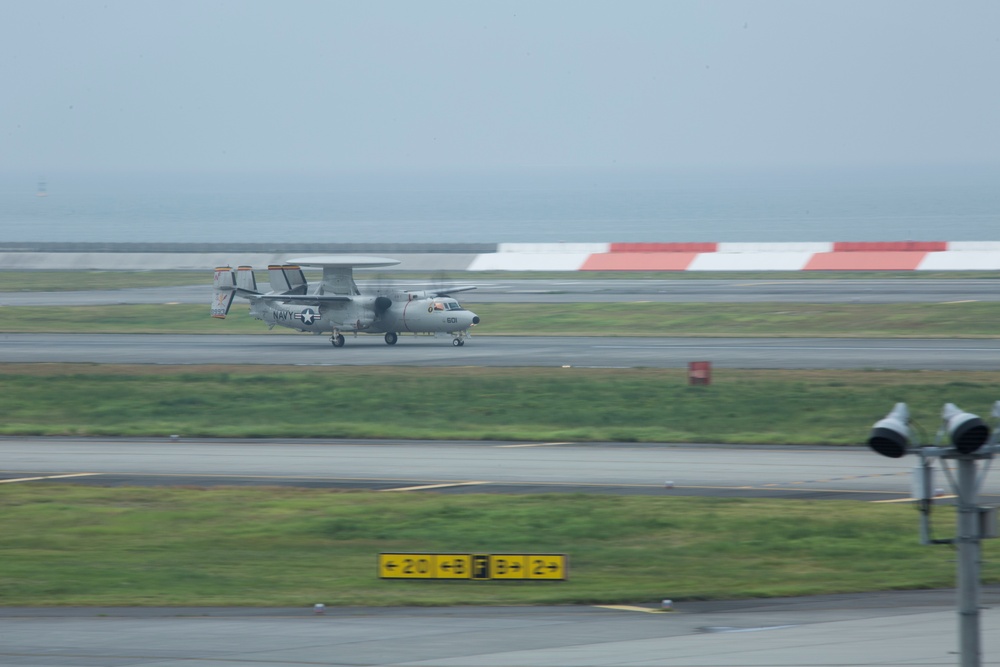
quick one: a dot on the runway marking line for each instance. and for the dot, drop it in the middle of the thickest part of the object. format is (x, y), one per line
(535, 444)
(625, 607)
(34, 479)
(432, 486)
(912, 500)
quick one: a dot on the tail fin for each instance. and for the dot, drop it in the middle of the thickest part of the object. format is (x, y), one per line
(222, 297)
(287, 279)
(245, 279)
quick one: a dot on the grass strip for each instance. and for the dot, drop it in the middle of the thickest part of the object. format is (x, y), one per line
(947, 320)
(79, 545)
(523, 404)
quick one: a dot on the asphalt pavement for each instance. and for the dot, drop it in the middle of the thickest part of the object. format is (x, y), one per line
(890, 629)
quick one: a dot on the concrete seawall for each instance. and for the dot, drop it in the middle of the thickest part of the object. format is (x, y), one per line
(831, 256)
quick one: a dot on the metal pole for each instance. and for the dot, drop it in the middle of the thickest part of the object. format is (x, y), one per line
(968, 563)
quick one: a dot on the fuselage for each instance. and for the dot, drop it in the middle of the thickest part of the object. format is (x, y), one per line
(367, 314)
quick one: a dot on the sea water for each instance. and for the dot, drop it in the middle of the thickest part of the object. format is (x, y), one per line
(552, 206)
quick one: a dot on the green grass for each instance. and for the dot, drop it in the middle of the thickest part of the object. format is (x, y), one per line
(78, 545)
(565, 319)
(524, 404)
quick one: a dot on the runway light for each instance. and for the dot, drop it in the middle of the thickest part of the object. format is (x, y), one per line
(319, 608)
(966, 432)
(668, 484)
(891, 436)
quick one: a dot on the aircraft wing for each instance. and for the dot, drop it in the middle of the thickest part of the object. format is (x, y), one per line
(445, 292)
(306, 299)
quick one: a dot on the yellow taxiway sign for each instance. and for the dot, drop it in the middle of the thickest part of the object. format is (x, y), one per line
(479, 567)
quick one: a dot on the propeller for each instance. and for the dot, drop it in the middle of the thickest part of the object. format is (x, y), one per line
(383, 287)
(382, 304)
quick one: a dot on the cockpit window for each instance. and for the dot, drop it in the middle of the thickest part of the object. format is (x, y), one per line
(447, 305)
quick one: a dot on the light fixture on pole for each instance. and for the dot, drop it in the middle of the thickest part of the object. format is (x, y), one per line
(964, 438)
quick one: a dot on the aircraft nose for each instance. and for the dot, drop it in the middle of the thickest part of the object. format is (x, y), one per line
(475, 319)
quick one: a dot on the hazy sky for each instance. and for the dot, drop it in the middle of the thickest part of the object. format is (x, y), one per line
(252, 86)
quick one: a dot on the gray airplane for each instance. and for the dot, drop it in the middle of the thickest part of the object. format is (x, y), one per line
(336, 305)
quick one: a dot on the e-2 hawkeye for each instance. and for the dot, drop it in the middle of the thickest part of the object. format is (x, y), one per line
(336, 305)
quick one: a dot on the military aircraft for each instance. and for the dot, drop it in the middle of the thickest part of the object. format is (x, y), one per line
(337, 305)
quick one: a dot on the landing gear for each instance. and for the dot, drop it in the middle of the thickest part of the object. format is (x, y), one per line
(458, 342)
(391, 338)
(337, 339)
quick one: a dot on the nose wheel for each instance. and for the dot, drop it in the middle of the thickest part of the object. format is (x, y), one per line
(458, 342)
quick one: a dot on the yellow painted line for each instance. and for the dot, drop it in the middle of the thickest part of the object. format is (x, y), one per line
(33, 479)
(769, 487)
(911, 500)
(625, 607)
(435, 486)
(536, 444)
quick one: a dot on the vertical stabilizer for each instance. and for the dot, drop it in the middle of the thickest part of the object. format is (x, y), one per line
(339, 280)
(287, 279)
(224, 291)
(245, 279)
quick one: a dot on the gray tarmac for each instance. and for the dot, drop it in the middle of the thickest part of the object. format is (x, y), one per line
(889, 629)
(468, 467)
(505, 351)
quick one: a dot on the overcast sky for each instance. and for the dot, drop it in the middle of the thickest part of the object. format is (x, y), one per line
(252, 86)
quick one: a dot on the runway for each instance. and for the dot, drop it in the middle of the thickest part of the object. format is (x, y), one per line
(853, 473)
(506, 351)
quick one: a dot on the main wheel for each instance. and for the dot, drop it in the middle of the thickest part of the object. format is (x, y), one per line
(391, 338)
(338, 340)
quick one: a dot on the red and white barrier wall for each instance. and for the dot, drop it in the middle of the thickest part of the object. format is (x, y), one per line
(833, 256)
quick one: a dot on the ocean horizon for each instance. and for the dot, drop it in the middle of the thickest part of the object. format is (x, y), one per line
(544, 207)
